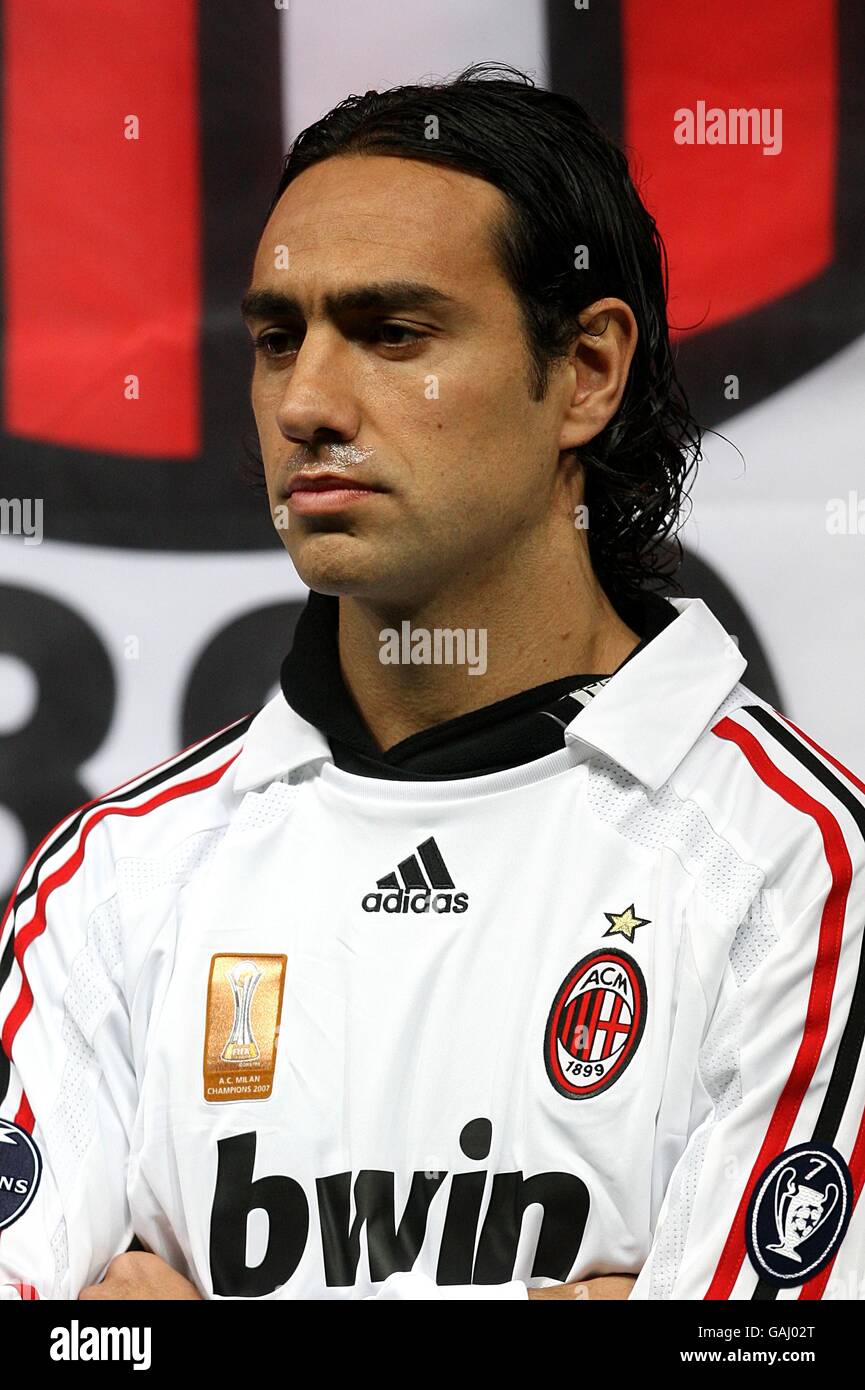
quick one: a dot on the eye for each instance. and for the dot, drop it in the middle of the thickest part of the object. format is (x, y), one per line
(280, 342)
(273, 344)
(397, 335)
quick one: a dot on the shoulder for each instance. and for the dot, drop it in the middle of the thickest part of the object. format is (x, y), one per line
(774, 792)
(148, 816)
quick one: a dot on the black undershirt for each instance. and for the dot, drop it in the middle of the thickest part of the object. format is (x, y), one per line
(505, 734)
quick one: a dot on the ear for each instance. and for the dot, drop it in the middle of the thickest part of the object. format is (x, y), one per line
(599, 362)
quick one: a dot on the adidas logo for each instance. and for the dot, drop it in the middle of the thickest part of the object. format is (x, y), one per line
(426, 885)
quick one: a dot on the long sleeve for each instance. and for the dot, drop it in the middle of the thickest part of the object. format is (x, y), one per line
(762, 1202)
(67, 1083)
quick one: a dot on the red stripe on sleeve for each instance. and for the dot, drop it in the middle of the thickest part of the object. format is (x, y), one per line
(64, 873)
(27, 1292)
(104, 796)
(820, 996)
(814, 1288)
(25, 1117)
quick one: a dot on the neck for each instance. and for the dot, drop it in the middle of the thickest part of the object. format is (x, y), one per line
(510, 631)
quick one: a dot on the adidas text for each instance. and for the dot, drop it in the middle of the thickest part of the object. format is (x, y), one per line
(401, 900)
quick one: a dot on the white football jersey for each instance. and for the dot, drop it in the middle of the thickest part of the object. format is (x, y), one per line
(309, 1034)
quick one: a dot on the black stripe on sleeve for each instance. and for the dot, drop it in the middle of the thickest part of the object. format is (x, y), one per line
(192, 759)
(176, 769)
(5, 970)
(850, 1047)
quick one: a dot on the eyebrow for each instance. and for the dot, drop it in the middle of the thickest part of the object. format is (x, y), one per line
(384, 297)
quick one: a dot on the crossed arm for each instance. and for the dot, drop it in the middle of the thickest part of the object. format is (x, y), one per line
(139, 1275)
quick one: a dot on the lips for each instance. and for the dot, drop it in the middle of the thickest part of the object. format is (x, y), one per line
(327, 482)
(327, 493)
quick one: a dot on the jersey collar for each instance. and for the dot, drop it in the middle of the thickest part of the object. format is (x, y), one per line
(646, 718)
(278, 741)
(653, 710)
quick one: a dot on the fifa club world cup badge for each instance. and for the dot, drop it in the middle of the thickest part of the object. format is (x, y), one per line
(798, 1213)
(595, 1024)
(244, 1003)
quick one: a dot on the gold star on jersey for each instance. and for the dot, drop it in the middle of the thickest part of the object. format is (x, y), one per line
(625, 923)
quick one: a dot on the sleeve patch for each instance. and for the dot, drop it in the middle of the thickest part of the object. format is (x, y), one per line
(20, 1171)
(799, 1211)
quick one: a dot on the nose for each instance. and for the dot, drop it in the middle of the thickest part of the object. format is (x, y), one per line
(319, 397)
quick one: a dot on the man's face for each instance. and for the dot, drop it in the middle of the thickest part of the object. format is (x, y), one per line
(426, 389)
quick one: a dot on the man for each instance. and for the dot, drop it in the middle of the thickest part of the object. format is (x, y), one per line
(514, 946)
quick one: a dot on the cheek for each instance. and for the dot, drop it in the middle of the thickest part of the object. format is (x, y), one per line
(483, 424)
(488, 399)
(269, 434)
(266, 390)
(474, 441)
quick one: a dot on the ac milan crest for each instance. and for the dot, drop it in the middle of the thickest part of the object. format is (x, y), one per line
(595, 1024)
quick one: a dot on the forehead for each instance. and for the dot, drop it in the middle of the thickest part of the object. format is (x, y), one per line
(373, 213)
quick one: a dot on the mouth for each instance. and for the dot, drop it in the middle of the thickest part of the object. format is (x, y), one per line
(326, 492)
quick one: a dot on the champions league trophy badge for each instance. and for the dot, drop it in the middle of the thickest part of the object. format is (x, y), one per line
(241, 1046)
(799, 1212)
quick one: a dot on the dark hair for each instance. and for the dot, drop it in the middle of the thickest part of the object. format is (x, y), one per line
(567, 185)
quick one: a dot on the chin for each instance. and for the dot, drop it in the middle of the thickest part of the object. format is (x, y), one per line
(341, 570)
(332, 563)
